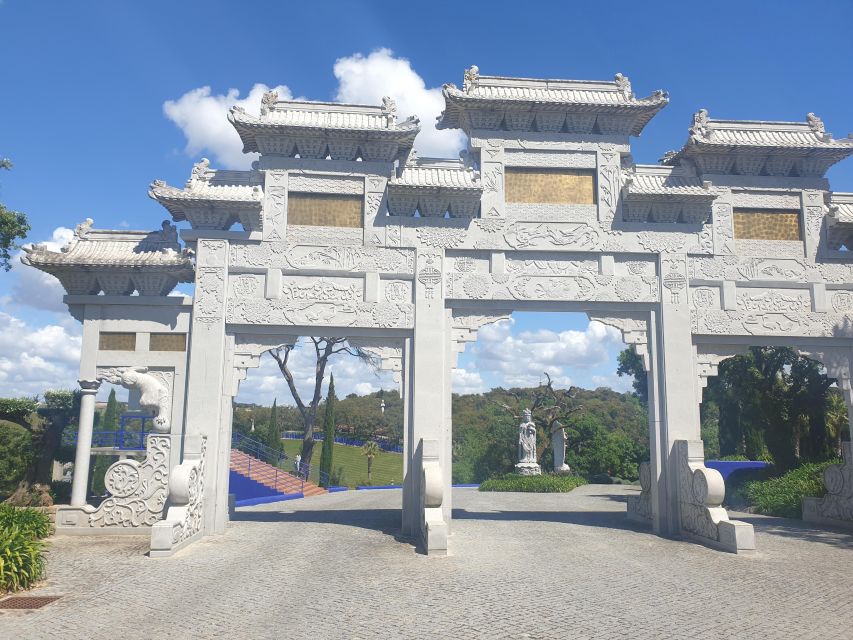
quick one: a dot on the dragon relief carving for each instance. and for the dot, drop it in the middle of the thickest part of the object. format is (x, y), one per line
(154, 389)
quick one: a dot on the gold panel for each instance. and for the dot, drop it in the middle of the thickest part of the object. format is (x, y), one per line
(168, 342)
(767, 224)
(550, 186)
(113, 341)
(324, 209)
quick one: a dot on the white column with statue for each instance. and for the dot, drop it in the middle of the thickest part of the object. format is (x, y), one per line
(558, 445)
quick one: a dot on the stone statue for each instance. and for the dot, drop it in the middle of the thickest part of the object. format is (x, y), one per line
(527, 465)
(558, 445)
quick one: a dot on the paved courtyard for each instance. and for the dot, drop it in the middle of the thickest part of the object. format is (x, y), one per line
(521, 566)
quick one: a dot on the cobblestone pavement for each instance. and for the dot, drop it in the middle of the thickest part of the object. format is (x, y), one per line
(521, 566)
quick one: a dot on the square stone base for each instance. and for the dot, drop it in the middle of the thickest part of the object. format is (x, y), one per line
(528, 469)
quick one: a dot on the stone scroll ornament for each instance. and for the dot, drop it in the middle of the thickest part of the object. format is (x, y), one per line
(138, 490)
(154, 393)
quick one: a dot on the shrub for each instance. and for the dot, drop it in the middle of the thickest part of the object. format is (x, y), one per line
(546, 483)
(735, 457)
(783, 496)
(21, 559)
(28, 521)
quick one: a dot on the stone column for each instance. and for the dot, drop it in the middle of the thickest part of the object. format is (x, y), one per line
(82, 457)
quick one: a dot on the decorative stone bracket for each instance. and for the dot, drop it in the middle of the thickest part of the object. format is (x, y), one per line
(433, 526)
(138, 493)
(387, 351)
(700, 496)
(634, 331)
(183, 523)
(836, 507)
(154, 388)
(640, 507)
(466, 325)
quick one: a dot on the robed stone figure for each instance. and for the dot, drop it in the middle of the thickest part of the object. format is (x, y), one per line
(527, 464)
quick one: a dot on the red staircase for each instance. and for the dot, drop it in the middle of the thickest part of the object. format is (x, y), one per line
(270, 476)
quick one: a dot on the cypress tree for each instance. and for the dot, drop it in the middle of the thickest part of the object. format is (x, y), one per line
(328, 433)
(109, 421)
(274, 431)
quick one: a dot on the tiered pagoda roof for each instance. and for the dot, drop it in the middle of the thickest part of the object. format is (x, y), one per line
(434, 186)
(755, 147)
(213, 199)
(116, 262)
(665, 194)
(527, 104)
(321, 129)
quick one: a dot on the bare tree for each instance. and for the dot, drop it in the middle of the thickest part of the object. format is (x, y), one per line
(324, 348)
(549, 405)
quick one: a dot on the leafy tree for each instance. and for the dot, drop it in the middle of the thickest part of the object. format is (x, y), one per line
(837, 422)
(324, 348)
(370, 450)
(16, 452)
(328, 434)
(631, 364)
(45, 421)
(13, 226)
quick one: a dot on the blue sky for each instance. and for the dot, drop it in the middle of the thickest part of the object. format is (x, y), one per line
(85, 84)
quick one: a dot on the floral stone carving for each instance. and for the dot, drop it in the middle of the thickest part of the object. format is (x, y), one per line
(138, 490)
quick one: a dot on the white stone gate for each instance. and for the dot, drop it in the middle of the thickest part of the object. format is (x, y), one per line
(340, 230)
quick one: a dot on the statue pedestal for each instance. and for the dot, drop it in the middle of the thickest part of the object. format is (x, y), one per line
(528, 469)
(563, 470)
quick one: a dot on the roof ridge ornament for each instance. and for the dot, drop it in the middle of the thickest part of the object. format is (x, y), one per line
(268, 101)
(668, 157)
(700, 128)
(816, 125)
(199, 173)
(83, 229)
(624, 86)
(389, 110)
(471, 78)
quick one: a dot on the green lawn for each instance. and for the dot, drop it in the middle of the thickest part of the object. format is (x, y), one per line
(387, 467)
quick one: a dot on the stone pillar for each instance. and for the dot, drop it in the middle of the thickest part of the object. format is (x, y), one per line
(429, 370)
(206, 374)
(82, 457)
(410, 498)
(678, 409)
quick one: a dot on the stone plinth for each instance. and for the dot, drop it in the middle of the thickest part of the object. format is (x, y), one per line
(528, 469)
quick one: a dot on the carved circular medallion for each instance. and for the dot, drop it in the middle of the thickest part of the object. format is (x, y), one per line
(245, 286)
(674, 281)
(122, 478)
(833, 478)
(397, 292)
(628, 289)
(477, 285)
(387, 316)
(842, 301)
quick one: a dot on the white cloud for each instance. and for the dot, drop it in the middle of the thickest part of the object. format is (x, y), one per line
(522, 359)
(34, 359)
(34, 288)
(465, 382)
(615, 382)
(366, 79)
(203, 119)
(202, 115)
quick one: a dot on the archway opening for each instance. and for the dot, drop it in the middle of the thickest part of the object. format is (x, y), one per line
(538, 360)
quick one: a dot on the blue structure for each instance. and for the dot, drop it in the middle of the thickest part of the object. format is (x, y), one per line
(728, 467)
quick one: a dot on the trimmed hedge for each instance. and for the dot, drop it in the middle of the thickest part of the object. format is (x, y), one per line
(28, 521)
(546, 483)
(783, 496)
(21, 559)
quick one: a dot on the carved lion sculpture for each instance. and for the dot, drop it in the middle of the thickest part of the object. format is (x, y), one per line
(154, 396)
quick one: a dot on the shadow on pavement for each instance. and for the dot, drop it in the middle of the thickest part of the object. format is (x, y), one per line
(604, 519)
(386, 521)
(796, 529)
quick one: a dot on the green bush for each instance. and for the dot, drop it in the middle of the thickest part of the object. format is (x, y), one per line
(547, 483)
(735, 457)
(783, 496)
(28, 521)
(21, 559)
